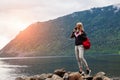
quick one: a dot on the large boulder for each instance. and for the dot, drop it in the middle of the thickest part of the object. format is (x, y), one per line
(43, 76)
(60, 72)
(56, 77)
(101, 76)
(75, 76)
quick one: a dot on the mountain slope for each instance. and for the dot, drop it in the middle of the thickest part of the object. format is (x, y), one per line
(102, 26)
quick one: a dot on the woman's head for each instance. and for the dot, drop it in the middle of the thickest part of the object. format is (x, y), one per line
(79, 26)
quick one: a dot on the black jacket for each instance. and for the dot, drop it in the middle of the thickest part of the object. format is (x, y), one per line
(80, 38)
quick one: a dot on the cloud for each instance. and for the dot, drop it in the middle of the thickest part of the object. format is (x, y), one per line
(43, 9)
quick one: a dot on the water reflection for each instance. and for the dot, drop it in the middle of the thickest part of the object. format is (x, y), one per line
(8, 71)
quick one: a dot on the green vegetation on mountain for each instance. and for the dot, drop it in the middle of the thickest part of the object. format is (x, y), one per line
(52, 37)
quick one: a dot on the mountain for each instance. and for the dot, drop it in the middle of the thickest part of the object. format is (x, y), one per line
(52, 37)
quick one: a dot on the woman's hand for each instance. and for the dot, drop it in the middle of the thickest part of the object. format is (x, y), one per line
(75, 29)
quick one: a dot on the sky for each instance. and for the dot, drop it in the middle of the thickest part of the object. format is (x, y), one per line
(16, 15)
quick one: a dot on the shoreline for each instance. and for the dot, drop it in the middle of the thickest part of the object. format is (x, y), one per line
(3, 58)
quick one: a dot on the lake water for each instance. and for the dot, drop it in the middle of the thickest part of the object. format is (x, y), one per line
(10, 68)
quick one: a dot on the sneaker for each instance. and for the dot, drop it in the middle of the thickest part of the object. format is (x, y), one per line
(82, 73)
(88, 72)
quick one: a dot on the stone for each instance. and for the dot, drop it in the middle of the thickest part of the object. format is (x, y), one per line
(106, 78)
(97, 78)
(30, 78)
(34, 78)
(56, 77)
(43, 76)
(49, 79)
(60, 72)
(49, 75)
(66, 76)
(75, 76)
(27, 78)
(19, 78)
(100, 76)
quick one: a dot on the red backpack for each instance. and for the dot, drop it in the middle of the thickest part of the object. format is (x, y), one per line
(86, 44)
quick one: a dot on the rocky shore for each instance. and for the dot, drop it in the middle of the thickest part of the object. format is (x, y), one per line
(62, 74)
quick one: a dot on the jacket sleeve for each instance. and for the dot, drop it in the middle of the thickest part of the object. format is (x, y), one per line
(72, 35)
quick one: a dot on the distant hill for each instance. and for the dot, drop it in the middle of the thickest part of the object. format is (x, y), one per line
(52, 37)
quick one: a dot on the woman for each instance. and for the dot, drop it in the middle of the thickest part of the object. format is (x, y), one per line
(79, 35)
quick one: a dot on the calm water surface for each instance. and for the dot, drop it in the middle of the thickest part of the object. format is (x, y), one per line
(10, 68)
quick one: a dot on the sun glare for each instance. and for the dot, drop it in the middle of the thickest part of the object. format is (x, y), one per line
(11, 24)
(18, 24)
(21, 25)
(14, 26)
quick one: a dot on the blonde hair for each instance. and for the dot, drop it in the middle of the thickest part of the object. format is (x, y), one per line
(80, 25)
